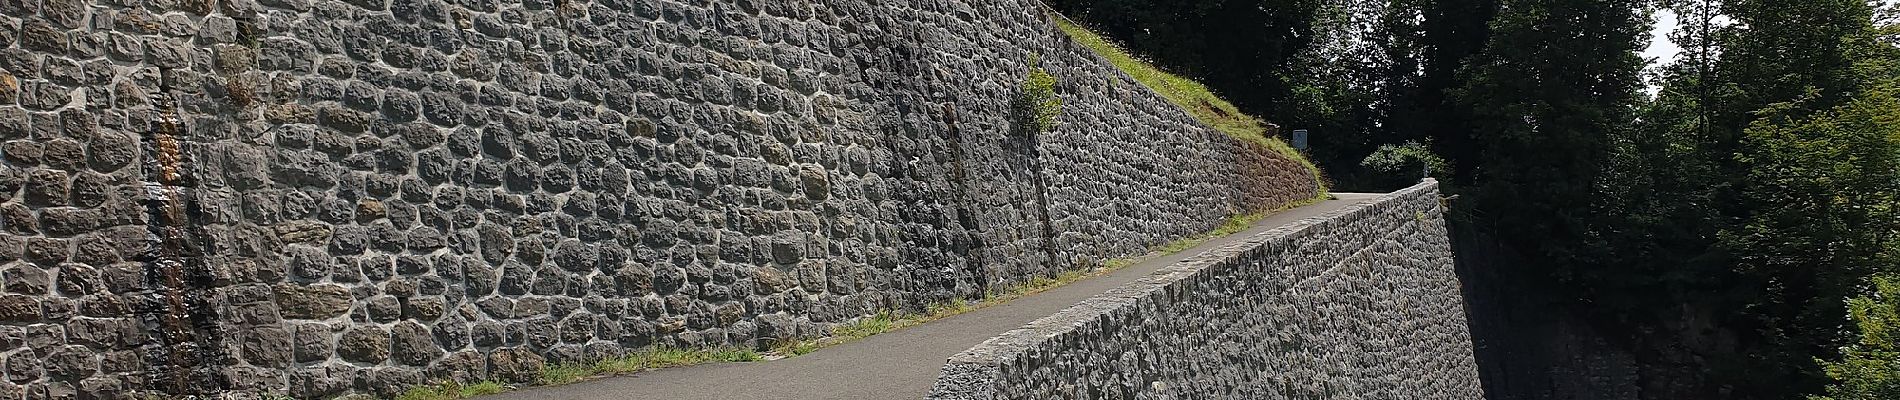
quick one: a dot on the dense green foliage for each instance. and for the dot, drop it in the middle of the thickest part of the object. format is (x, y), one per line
(1869, 369)
(1556, 79)
(1758, 186)
(1715, 227)
(1396, 160)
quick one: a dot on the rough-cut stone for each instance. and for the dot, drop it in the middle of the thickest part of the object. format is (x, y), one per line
(364, 344)
(412, 344)
(816, 185)
(19, 308)
(312, 302)
(515, 365)
(267, 347)
(103, 333)
(321, 381)
(22, 366)
(303, 232)
(311, 342)
(72, 362)
(26, 279)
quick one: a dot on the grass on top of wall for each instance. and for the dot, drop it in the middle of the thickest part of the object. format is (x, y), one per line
(1194, 97)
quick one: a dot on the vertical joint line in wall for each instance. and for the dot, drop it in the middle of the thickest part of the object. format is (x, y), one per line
(1042, 202)
(166, 269)
(188, 325)
(960, 174)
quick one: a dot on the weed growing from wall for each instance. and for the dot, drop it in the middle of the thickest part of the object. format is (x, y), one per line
(1036, 105)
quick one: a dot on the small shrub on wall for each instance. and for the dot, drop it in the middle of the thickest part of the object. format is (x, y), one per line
(1036, 105)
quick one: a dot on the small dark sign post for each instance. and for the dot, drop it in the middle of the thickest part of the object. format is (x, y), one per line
(1299, 139)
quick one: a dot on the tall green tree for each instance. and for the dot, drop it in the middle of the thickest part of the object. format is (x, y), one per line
(1555, 80)
(1869, 369)
(1348, 86)
(1750, 189)
(1824, 215)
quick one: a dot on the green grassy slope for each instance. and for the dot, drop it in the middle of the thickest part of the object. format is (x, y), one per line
(1191, 96)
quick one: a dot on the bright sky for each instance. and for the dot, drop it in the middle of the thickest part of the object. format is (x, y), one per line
(1661, 50)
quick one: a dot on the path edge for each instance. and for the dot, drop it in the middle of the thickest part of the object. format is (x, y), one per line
(976, 373)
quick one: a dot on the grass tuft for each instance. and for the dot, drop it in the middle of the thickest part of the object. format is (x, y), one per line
(451, 390)
(650, 358)
(563, 374)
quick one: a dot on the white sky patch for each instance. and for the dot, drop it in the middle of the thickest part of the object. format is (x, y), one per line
(1661, 50)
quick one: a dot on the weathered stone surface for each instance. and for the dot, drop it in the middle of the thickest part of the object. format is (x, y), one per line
(72, 362)
(26, 279)
(515, 365)
(322, 381)
(311, 342)
(413, 345)
(461, 366)
(267, 347)
(312, 302)
(303, 232)
(104, 333)
(22, 366)
(364, 344)
(19, 308)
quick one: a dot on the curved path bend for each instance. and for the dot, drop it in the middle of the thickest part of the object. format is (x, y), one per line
(895, 365)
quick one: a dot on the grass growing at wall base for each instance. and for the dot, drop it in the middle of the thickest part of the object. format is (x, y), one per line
(450, 390)
(1193, 97)
(645, 359)
(892, 320)
(650, 358)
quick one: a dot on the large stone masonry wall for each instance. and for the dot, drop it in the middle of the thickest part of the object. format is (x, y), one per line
(1361, 303)
(316, 197)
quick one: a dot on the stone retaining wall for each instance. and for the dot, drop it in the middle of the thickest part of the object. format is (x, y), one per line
(315, 197)
(1361, 303)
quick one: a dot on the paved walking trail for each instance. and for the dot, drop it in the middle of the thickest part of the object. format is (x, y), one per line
(896, 365)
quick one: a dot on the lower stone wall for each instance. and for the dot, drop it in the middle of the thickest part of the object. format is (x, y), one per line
(1360, 303)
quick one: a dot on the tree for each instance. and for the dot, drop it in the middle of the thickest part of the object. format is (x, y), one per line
(1769, 210)
(1869, 369)
(1555, 80)
(1824, 196)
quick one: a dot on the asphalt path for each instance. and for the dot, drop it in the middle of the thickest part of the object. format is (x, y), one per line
(895, 365)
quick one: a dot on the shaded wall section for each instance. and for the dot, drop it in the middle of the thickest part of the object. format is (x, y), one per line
(1360, 303)
(323, 196)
